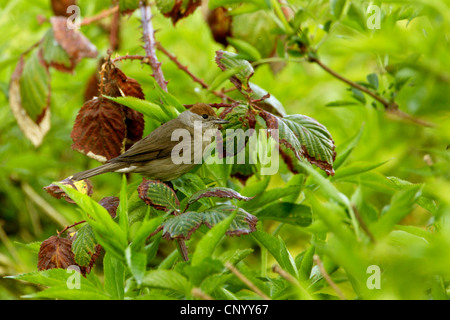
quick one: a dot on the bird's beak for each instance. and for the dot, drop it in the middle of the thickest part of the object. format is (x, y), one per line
(221, 121)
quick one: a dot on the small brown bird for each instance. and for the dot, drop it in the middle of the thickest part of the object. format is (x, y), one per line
(152, 155)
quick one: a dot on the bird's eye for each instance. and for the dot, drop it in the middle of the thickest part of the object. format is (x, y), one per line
(205, 116)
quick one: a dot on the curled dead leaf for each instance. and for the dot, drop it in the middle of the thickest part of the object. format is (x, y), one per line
(55, 252)
(83, 186)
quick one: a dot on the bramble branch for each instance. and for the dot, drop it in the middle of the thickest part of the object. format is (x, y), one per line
(148, 35)
(102, 15)
(180, 66)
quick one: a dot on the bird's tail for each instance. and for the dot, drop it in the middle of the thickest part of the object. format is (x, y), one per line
(107, 167)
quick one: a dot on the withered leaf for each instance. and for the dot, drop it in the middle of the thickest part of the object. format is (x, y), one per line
(219, 22)
(116, 83)
(84, 186)
(29, 97)
(110, 204)
(76, 45)
(56, 252)
(100, 130)
(60, 7)
(177, 9)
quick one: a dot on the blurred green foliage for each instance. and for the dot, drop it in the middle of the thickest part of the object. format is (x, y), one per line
(387, 205)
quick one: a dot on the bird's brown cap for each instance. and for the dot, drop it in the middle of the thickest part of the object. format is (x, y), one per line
(202, 108)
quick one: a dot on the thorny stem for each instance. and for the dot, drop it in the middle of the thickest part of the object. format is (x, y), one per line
(100, 16)
(72, 225)
(149, 44)
(180, 66)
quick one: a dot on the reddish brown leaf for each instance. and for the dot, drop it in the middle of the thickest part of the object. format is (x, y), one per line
(55, 252)
(91, 90)
(110, 204)
(270, 119)
(72, 41)
(60, 7)
(134, 121)
(180, 10)
(100, 130)
(84, 186)
(219, 22)
(117, 84)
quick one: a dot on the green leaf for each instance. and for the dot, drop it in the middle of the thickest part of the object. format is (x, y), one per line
(341, 103)
(211, 239)
(125, 5)
(401, 205)
(212, 4)
(268, 197)
(159, 195)
(53, 54)
(373, 80)
(258, 28)
(270, 104)
(277, 249)
(137, 262)
(345, 149)
(243, 223)
(308, 138)
(167, 279)
(188, 184)
(356, 168)
(83, 246)
(245, 50)
(182, 226)
(34, 87)
(307, 262)
(146, 228)
(114, 273)
(147, 108)
(59, 281)
(107, 232)
(292, 213)
(228, 60)
(336, 7)
(167, 101)
(122, 210)
(217, 192)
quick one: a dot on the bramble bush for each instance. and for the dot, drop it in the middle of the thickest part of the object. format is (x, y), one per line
(353, 99)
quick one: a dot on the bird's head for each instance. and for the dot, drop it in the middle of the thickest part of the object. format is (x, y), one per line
(203, 113)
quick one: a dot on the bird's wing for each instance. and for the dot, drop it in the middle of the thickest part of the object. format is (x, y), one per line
(157, 145)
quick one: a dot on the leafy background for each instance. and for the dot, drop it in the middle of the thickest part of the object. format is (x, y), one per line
(408, 226)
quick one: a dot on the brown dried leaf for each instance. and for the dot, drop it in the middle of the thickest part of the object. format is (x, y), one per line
(178, 9)
(60, 7)
(110, 204)
(55, 252)
(72, 41)
(219, 22)
(84, 186)
(100, 130)
(117, 84)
